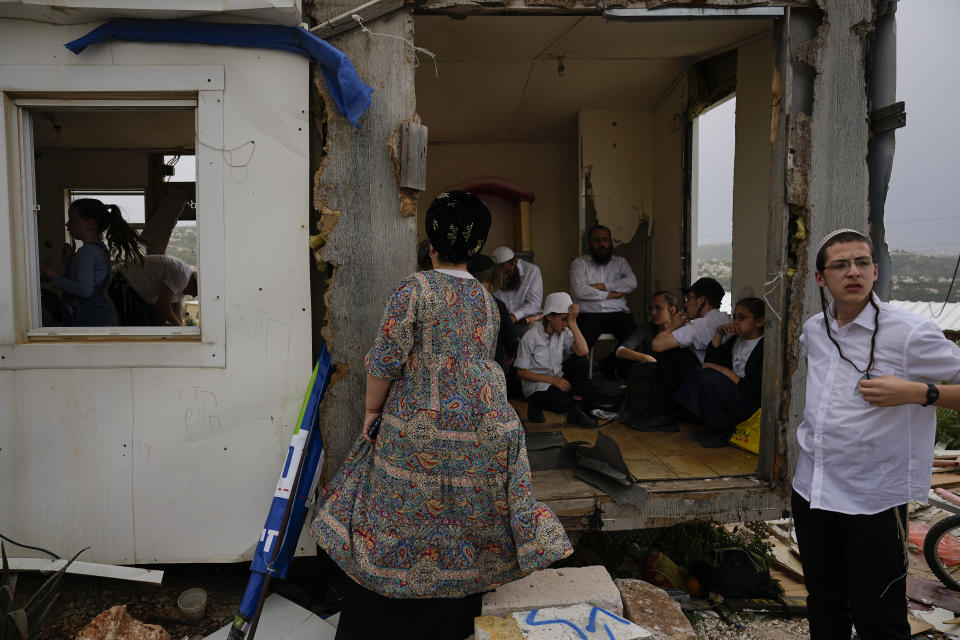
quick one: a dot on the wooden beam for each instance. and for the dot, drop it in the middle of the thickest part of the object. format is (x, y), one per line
(345, 21)
(133, 574)
(585, 7)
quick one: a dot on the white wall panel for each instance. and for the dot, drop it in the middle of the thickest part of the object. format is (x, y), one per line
(204, 445)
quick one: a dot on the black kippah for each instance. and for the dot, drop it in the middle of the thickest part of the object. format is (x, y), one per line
(457, 225)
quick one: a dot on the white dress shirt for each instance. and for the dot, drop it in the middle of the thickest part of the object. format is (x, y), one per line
(616, 276)
(527, 298)
(853, 457)
(541, 352)
(697, 334)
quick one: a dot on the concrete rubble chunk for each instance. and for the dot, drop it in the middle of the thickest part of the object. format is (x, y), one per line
(577, 622)
(117, 623)
(650, 607)
(555, 588)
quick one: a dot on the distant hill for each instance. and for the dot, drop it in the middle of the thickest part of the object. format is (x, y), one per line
(720, 251)
(916, 277)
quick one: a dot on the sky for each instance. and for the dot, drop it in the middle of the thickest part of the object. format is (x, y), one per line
(922, 208)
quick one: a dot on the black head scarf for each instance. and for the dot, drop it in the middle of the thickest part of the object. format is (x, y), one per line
(457, 224)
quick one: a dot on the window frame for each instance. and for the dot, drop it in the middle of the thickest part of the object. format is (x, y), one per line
(23, 344)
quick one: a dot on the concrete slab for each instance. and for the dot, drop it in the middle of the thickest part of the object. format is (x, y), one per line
(555, 588)
(577, 622)
(284, 620)
(650, 607)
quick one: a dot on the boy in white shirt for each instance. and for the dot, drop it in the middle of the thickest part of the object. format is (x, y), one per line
(865, 446)
(548, 382)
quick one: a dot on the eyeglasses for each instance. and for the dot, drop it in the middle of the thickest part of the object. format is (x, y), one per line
(740, 316)
(841, 266)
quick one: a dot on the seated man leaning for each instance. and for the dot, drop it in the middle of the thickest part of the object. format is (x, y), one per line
(520, 287)
(677, 350)
(549, 382)
(599, 282)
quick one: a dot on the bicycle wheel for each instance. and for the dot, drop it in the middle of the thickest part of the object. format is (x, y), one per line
(941, 549)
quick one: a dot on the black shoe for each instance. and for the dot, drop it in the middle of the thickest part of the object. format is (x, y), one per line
(715, 441)
(577, 416)
(650, 423)
(535, 415)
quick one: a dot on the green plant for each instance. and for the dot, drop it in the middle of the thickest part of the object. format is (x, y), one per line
(948, 428)
(18, 624)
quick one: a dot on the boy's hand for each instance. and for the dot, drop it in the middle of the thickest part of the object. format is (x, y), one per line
(890, 391)
(560, 383)
(574, 311)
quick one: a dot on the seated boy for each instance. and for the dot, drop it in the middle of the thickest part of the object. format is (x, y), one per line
(548, 382)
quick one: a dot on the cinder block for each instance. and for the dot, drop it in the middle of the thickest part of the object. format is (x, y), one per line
(577, 622)
(555, 588)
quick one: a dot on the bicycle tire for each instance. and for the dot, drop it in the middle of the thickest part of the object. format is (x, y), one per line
(931, 544)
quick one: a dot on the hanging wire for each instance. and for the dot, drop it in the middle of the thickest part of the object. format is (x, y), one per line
(769, 288)
(949, 290)
(411, 43)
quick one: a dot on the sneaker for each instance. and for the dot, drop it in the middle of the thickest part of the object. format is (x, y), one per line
(715, 441)
(535, 415)
(578, 417)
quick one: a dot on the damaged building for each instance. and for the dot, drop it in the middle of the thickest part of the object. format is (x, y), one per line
(170, 439)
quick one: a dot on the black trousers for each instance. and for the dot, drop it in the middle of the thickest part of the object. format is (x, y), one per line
(592, 325)
(640, 383)
(370, 616)
(553, 399)
(672, 367)
(855, 568)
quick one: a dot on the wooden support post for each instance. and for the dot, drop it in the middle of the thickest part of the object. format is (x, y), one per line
(370, 245)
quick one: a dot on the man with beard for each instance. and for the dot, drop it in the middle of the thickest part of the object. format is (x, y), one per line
(521, 286)
(599, 282)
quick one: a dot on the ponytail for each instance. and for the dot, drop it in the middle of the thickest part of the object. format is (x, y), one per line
(123, 242)
(122, 239)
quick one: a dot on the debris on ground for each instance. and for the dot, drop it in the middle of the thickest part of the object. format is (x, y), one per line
(115, 622)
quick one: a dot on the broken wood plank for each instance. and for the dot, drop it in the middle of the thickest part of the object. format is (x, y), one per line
(413, 156)
(933, 593)
(946, 480)
(116, 572)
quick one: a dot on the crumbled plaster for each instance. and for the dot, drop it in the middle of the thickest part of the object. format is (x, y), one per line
(776, 96)
(799, 155)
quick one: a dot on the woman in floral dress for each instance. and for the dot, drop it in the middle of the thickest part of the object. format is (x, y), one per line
(438, 508)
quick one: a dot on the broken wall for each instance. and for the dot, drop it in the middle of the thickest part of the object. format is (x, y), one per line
(616, 148)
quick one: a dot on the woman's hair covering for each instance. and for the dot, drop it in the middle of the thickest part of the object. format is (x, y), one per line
(457, 224)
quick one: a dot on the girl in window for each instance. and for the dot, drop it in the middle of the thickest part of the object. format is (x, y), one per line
(87, 275)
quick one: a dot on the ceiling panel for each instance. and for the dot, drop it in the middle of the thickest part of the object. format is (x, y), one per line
(144, 130)
(499, 78)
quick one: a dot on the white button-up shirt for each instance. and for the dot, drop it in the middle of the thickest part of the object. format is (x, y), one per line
(541, 352)
(856, 458)
(527, 299)
(616, 276)
(697, 334)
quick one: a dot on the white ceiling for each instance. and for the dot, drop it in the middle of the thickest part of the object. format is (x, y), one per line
(155, 130)
(498, 76)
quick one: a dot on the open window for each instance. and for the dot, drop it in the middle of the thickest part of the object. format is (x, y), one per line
(122, 153)
(150, 134)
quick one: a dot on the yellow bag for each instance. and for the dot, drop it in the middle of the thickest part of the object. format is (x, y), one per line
(747, 434)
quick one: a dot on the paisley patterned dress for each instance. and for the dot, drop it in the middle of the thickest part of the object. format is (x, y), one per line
(441, 505)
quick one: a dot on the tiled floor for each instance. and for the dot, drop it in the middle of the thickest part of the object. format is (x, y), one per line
(656, 456)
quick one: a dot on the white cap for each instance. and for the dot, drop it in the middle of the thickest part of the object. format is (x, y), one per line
(502, 254)
(558, 302)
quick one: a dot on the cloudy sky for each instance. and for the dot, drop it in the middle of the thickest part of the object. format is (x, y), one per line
(923, 206)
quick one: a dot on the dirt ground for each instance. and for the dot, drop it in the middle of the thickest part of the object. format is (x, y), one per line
(314, 583)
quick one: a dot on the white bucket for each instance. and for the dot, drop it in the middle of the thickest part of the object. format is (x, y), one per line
(193, 603)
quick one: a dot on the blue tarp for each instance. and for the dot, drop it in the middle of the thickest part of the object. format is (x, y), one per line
(351, 96)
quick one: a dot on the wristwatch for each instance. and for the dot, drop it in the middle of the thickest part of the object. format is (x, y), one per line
(933, 394)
